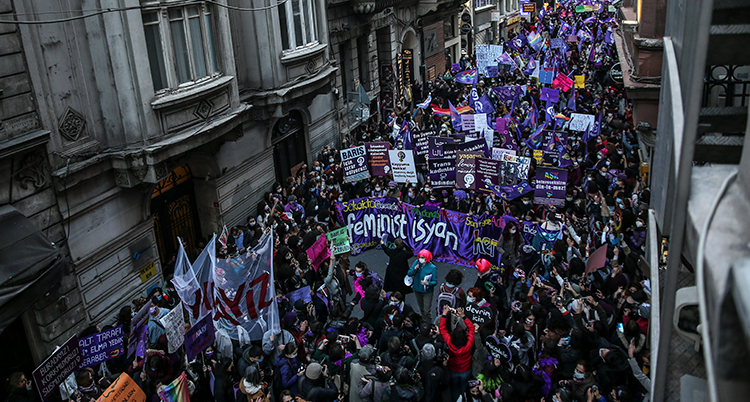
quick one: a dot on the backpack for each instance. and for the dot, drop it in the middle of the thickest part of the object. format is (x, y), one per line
(449, 298)
(400, 394)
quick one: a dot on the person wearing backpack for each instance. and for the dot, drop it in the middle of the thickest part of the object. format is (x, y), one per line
(451, 293)
(404, 389)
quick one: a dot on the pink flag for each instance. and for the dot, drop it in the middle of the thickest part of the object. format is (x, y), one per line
(318, 252)
(597, 259)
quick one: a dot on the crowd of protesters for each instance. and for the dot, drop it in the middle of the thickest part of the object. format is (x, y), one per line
(571, 335)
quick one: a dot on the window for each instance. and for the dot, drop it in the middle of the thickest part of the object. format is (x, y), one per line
(483, 3)
(297, 21)
(180, 45)
(363, 59)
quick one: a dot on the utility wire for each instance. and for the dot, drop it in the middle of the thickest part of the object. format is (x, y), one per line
(114, 10)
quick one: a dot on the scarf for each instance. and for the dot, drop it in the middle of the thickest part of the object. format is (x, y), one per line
(250, 388)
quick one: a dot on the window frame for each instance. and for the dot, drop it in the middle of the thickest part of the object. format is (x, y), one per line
(169, 57)
(291, 35)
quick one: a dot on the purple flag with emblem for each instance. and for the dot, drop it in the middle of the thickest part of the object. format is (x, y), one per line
(518, 42)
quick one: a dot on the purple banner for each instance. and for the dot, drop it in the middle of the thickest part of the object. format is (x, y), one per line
(550, 186)
(377, 158)
(436, 146)
(478, 145)
(101, 346)
(451, 236)
(442, 172)
(487, 174)
(56, 368)
(199, 337)
(455, 67)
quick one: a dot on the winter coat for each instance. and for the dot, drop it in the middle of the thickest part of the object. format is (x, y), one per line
(420, 273)
(396, 270)
(459, 359)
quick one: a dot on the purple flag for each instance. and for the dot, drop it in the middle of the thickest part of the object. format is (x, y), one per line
(455, 117)
(518, 42)
(484, 105)
(572, 100)
(550, 95)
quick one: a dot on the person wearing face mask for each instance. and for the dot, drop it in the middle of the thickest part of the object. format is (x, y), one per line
(289, 368)
(424, 274)
(582, 380)
(524, 204)
(510, 242)
(297, 211)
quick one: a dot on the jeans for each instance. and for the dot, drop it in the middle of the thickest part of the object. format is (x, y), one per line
(459, 383)
(424, 301)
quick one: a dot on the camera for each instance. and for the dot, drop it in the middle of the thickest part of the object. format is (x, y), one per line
(342, 339)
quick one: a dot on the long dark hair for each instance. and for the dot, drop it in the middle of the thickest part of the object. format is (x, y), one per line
(459, 338)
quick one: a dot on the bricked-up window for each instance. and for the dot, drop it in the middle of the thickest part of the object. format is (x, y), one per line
(297, 22)
(180, 45)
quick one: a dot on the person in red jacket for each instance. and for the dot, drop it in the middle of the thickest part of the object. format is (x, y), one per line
(460, 350)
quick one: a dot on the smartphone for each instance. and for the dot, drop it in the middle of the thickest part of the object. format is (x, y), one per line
(343, 339)
(620, 327)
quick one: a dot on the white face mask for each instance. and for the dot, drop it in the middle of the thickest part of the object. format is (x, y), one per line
(470, 299)
(422, 260)
(526, 202)
(639, 224)
(513, 231)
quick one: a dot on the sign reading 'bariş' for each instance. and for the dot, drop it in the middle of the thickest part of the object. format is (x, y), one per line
(354, 164)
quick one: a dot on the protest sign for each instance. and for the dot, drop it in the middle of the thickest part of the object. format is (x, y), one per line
(436, 146)
(124, 389)
(563, 82)
(421, 144)
(478, 315)
(200, 336)
(338, 241)
(580, 81)
(403, 167)
(451, 236)
(476, 145)
(354, 164)
(550, 186)
(556, 43)
(487, 173)
(377, 157)
(139, 318)
(102, 346)
(174, 325)
(53, 371)
(508, 172)
(300, 294)
(598, 259)
(466, 169)
(467, 122)
(497, 153)
(498, 349)
(442, 172)
(546, 75)
(581, 122)
(318, 252)
(455, 67)
(480, 122)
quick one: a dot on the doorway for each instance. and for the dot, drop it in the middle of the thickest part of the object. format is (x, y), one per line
(175, 215)
(15, 354)
(289, 144)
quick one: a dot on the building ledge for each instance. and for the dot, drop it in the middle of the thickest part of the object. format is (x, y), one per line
(304, 85)
(302, 54)
(191, 93)
(23, 143)
(634, 84)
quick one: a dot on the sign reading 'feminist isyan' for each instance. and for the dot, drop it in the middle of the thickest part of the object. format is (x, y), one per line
(451, 236)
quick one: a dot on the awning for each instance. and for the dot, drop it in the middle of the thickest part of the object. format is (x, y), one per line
(30, 265)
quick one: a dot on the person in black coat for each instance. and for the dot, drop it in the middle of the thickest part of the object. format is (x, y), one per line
(372, 305)
(398, 266)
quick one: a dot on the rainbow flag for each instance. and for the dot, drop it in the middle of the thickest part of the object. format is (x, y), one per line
(176, 391)
(562, 117)
(469, 77)
(437, 111)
